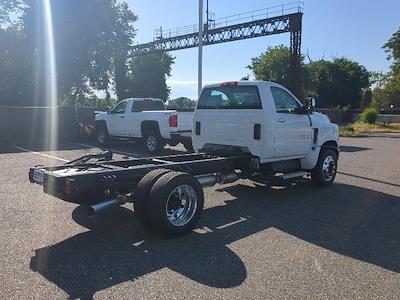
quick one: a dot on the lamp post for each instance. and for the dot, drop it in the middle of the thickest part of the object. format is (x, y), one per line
(200, 56)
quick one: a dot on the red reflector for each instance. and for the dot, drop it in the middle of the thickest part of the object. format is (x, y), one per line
(173, 121)
(229, 83)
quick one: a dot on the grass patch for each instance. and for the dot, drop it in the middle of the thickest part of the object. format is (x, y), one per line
(360, 129)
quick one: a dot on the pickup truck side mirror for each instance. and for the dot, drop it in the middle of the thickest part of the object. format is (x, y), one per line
(310, 103)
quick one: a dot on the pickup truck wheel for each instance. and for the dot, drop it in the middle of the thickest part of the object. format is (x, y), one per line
(102, 136)
(175, 203)
(324, 172)
(153, 142)
(142, 194)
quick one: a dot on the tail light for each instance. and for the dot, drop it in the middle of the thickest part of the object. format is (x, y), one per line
(173, 121)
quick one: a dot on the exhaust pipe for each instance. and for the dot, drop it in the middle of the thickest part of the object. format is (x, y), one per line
(100, 208)
(212, 179)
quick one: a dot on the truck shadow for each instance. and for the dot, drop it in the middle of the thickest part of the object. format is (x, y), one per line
(353, 221)
(352, 149)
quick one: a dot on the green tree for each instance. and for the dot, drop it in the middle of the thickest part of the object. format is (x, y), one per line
(16, 68)
(91, 38)
(125, 32)
(392, 48)
(181, 102)
(272, 65)
(7, 7)
(387, 95)
(147, 76)
(340, 82)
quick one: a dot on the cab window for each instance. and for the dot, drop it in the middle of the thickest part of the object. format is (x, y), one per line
(120, 108)
(284, 102)
(230, 97)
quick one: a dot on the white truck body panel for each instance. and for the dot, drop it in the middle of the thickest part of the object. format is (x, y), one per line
(284, 135)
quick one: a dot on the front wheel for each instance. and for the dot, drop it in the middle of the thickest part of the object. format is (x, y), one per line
(175, 203)
(324, 172)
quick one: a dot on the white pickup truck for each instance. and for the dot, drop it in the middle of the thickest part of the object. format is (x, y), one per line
(145, 119)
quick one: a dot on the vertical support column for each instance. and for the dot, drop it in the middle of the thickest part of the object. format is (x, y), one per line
(295, 55)
(200, 58)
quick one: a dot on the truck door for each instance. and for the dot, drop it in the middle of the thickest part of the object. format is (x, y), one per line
(293, 133)
(116, 122)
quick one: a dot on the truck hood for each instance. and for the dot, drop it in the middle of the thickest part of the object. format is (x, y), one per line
(327, 131)
(319, 119)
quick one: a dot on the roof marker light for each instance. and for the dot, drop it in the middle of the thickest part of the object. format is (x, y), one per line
(229, 83)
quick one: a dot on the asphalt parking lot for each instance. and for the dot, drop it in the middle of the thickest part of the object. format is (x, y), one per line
(254, 241)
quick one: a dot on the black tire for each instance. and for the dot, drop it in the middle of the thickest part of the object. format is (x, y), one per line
(324, 172)
(154, 145)
(188, 146)
(162, 197)
(142, 194)
(102, 136)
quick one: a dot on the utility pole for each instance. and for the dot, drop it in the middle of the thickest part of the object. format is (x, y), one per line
(208, 18)
(200, 58)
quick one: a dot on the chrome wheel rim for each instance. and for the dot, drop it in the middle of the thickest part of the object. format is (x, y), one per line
(329, 168)
(151, 143)
(181, 205)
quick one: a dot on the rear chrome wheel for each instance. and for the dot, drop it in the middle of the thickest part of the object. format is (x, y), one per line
(175, 203)
(153, 142)
(181, 205)
(102, 137)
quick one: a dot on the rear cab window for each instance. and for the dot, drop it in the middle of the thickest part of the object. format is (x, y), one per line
(147, 105)
(230, 97)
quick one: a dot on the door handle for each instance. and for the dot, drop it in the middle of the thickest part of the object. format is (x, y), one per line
(122, 117)
(281, 120)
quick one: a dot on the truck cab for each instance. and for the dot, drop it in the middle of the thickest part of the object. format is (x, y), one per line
(264, 119)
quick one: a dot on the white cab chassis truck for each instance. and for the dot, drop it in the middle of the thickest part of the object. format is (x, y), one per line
(249, 129)
(265, 120)
(146, 120)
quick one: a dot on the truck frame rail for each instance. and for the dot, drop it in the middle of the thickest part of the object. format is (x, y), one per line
(84, 182)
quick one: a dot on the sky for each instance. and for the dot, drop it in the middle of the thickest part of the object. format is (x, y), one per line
(355, 29)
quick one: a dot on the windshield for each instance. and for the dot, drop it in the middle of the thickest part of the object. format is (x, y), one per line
(230, 97)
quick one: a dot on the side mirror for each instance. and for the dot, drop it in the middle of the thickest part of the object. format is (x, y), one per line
(310, 103)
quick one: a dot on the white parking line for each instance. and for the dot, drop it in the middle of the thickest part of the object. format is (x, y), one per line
(112, 150)
(41, 154)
